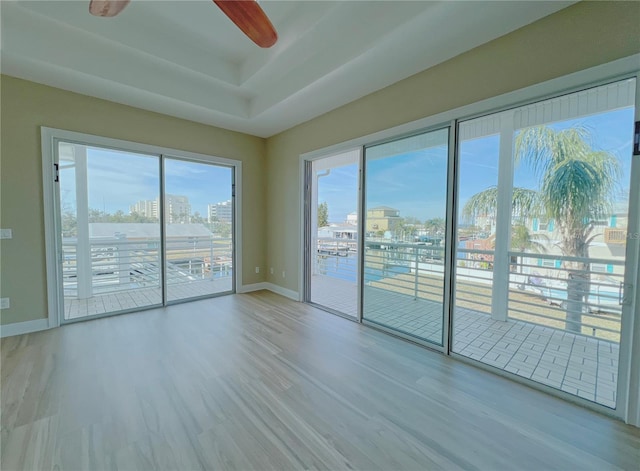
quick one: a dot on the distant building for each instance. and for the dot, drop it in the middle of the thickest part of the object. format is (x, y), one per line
(146, 208)
(607, 242)
(177, 209)
(222, 212)
(608, 239)
(352, 218)
(382, 218)
(338, 231)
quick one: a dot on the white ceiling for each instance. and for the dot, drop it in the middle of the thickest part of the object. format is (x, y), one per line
(186, 58)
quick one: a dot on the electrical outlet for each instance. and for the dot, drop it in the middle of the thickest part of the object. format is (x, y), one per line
(257, 269)
(6, 234)
(4, 303)
(271, 270)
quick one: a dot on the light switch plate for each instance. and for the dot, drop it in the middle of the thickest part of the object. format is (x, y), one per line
(4, 303)
(6, 234)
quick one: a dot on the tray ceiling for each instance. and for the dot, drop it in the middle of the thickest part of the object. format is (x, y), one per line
(186, 58)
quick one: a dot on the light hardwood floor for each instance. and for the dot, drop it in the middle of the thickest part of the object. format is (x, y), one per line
(256, 381)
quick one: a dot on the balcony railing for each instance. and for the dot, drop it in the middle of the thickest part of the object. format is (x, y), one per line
(336, 258)
(598, 300)
(416, 269)
(117, 264)
(537, 287)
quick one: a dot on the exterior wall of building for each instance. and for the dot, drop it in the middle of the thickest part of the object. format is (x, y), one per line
(382, 219)
(177, 209)
(609, 241)
(222, 212)
(146, 208)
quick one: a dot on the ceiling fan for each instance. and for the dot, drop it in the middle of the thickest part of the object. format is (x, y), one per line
(246, 14)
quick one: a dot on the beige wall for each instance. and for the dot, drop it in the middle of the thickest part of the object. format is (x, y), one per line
(25, 106)
(581, 36)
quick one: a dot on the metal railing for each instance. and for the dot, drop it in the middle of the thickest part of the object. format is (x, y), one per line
(537, 290)
(416, 269)
(474, 279)
(336, 258)
(117, 264)
(594, 297)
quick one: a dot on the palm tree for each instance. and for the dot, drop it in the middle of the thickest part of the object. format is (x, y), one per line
(522, 240)
(575, 187)
(435, 226)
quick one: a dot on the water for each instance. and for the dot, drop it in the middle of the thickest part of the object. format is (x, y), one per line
(346, 268)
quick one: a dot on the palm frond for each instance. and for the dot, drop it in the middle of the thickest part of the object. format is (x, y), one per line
(524, 202)
(576, 184)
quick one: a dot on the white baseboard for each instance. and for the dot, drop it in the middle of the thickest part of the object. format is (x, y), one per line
(287, 293)
(253, 287)
(26, 327)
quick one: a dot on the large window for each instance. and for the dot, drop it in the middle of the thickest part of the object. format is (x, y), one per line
(134, 228)
(539, 279)
(405, 221)
(110, 253)
(513, 247)
(198, 208)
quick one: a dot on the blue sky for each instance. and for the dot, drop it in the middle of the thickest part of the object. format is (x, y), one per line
(117, 180)
(415, 182)
(203, 184)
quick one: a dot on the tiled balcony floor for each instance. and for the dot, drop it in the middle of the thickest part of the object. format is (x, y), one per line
(334, 293)
(578, 364)
(141, 297)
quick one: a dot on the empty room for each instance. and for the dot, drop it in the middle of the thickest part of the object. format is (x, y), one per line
(364, 235)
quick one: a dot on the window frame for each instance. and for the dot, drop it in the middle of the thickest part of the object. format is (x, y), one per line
(50, 137)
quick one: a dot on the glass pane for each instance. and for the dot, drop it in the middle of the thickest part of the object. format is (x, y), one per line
(550, 308)
(404, 242)
(479, 146)
(198, 212)
(111, 255)
(334, 232)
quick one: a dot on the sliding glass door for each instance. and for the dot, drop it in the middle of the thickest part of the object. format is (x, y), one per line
(543, 205)
(532, 275)
(198, 222)
(332, 235)
(404, 246)
(136, 230)
(110, 256)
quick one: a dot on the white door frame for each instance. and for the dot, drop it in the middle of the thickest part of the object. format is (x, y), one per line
(49, 139)
(306, 212)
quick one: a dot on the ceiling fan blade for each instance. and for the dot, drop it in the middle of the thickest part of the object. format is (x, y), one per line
(251, 19)
(107, 8)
